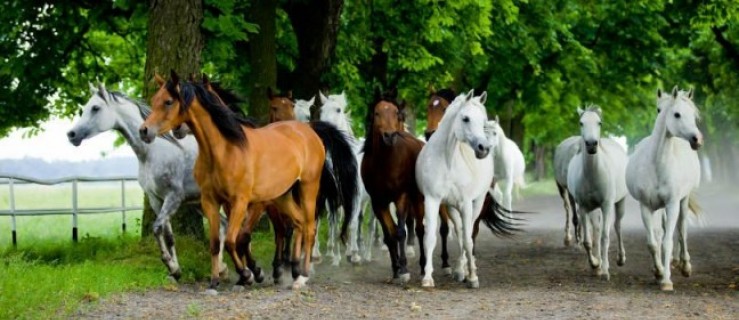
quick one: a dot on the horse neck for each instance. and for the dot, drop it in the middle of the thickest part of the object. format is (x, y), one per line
(128, 123)
(345, 125)
(591, 163)
(205, 133)
(660, 140)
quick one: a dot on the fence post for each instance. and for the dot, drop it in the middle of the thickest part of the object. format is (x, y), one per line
(74, 210)
(12, 212)
(123, 204)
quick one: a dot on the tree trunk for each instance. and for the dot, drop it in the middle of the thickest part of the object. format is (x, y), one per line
(174, 42)
(540, 158)
(262, 57)
(316, 26)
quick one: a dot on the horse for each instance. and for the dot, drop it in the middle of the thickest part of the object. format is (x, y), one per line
(389, 176)
(509, 165)
(562, 156)
(302, 109)
(283, 163)
(165, 167)
(456, 168)
(663, 173)
(596, 178)
(281, 107)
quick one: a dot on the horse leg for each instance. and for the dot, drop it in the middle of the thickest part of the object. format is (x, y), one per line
(605, 239)
(429, 238)
(382, 213)
(682, 226)
(648, 219)
(410, 249)
(568, 213)
(460, 272)
(174, 270)
(620, 211)
(444, 231)
(472, 209)
(169, 239)
(576, 221)
(587, 223)
(352, 250)
(236, 217)
(332, 244)
(402, 206)
(673, 212)
(277, 261)
(210, 209)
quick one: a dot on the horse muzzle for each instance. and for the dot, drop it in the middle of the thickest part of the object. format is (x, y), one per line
(696, 142)
(389, 138)
(75, 138)
(591, 147)
(147, 134)
(482, 150)
(180, 132)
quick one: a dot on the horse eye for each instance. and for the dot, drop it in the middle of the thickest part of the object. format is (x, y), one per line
(581, 124)
(80, 112)
(95, 108)
(466, 119)
(658, 110)
(338, 110)
(677, 115)
(599, 123)
(169, 102)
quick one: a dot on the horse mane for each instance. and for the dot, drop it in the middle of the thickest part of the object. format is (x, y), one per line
(144, 111)
(228, 122)
(369, 120)
(446, 93)
(233, 102)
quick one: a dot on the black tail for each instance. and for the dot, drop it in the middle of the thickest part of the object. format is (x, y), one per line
(339, 177)
(497, 219)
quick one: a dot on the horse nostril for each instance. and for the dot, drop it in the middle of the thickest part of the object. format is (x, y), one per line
(694, 139)
(71, 134)
(143, 131)
(480, 147)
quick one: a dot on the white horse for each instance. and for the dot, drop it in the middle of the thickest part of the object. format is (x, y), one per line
(509, 165)
(562, 156)
(302, 109)
(662, 173)
(596, 178)
(165, 166)
(455, 167)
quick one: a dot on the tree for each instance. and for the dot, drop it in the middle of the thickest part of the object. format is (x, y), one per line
(174, 42)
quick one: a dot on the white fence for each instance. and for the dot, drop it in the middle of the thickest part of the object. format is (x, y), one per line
(11, 181)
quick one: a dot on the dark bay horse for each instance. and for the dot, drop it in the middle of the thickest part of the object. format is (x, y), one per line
(283, 163)
(388, 172)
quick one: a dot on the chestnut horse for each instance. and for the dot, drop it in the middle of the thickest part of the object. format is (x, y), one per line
(283, 163)
(281, 108)
(388, 172)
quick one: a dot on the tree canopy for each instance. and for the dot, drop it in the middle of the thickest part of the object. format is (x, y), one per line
(538, 60)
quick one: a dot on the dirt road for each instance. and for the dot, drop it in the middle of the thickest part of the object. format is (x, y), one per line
(531, 276)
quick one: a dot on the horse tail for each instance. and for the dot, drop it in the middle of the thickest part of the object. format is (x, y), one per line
(693, 205)
(497, 219)
(340, 170)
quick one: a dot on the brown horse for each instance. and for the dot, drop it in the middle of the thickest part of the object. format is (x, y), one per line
(388, 171)
(283, 163)
(281, 107)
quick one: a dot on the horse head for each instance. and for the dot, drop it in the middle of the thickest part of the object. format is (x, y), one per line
(494, 132)
(680, 114)
(438, 102)
(469, 124)
(385, 117)
(96, 116)
(590, 123)
(333, 108)
(281, 107)
(302, 108)
(168, 106)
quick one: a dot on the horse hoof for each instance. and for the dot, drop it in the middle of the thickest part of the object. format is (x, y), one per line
(383, 248)
(300, 282)
(211, 292)
(568, 241)
(597, 271)
(605, 276)
(259, 278)
(621, 261)
(356, 259)
(447, 271)
(427, 283)
(171, 279)
(316, 260)
(410, 252)
(686, 269)
(335, 261)
(459, 276)
(473, 284)
(223, 274)
(246, 278)
(238, 288)
(666, 286)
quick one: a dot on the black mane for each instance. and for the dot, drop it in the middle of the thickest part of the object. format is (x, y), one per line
(229, 123)
(446, 93)
(144, 111)
(234, 101)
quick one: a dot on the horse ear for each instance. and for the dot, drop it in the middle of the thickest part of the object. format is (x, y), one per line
(160, 81)
(312, 101)
(174, 77)
(102, 92)
(484, 97)
(378, 94)
(401, 110)
(290, 94)
(690, 94)
(270, 94)
(674, 92)
(92, 88)
(659, 93)
(206, 81)
(343, 94)
(393, 93)
(497, 120)
(469, 95)
(322, 97)
(580, 111)
(192, 77)
(431, 89)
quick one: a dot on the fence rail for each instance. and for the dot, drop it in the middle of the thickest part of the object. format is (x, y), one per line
(12, 180)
